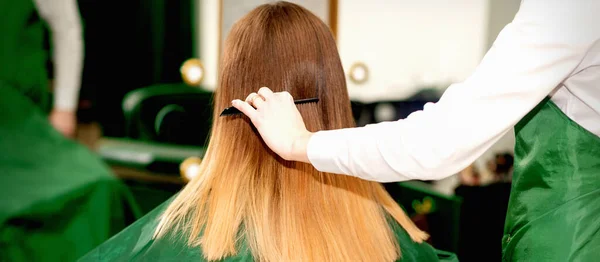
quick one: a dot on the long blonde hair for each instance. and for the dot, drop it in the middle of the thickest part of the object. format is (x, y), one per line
(244, 192)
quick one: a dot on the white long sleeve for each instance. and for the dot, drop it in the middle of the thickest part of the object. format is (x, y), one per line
(543, 47)
(65, 23)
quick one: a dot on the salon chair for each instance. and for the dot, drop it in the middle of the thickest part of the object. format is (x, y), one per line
(169, 113)
(165, 124)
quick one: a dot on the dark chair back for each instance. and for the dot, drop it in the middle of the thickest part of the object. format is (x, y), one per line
(169, 113)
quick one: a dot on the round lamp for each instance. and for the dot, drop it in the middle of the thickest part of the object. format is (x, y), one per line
(189, 168)
(192, 72)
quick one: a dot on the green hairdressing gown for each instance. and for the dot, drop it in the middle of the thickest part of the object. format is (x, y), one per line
(22, 54)
(136, 244)
(57, 200)
(554, 207)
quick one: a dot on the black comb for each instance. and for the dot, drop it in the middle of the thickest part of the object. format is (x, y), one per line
(234, 111)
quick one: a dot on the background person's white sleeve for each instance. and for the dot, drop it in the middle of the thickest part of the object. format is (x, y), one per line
(65, 23)
(531, 56)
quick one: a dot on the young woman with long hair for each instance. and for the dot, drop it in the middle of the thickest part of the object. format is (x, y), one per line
(248, 203)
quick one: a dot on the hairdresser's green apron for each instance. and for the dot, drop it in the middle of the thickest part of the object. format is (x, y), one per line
(554, 208)
(57, 200)
(136, 244)
(22, 54)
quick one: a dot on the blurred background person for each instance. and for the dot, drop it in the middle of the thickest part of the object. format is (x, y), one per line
(58, 200)
(23, 59)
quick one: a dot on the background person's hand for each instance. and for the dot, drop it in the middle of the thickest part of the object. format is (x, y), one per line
(278, 121)
(64, 121)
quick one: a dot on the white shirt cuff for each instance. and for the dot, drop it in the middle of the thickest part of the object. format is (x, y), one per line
(322, 150)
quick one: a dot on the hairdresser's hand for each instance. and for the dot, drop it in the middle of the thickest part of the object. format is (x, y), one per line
(278, 121)
(64, 121)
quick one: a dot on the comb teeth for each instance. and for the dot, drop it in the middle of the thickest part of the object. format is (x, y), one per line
(230, 111)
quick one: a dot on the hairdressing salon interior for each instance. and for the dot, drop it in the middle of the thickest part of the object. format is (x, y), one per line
(145, 110)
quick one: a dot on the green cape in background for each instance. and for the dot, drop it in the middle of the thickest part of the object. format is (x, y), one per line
(57, 199)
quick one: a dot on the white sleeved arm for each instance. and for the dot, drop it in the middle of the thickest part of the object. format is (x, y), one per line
(65, 23)
(531, 57)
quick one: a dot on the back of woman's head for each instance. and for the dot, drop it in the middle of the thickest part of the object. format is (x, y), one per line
(287, 48)
(245, 195)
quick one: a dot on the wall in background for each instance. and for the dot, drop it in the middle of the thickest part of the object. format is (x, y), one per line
(500, 14)
(207, 45)
(408, 45)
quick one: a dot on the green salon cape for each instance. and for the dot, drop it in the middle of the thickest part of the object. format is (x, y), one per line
(57, 200)
(135, 243)
(554, 207)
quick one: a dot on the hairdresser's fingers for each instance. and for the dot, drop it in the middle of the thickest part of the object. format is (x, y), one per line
(265, 92)
(250, 97)
(285, 95)
(258, 101)
(254, 98)
(245, 108)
